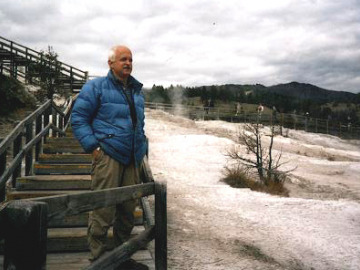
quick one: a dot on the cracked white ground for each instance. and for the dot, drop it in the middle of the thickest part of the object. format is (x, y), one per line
(214, 226)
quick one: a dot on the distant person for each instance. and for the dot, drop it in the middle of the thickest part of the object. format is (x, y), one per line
(238, 108)
(211, 103)
(349, 122)
(274, 114)
(307, 120)
(108, 120)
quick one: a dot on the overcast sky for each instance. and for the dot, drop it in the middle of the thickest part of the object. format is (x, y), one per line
(199, 42)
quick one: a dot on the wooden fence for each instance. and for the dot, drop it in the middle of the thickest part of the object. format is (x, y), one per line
(26, 140)
(23, 225)
(283, 120)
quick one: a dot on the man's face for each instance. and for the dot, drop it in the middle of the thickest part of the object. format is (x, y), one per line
(122, 66)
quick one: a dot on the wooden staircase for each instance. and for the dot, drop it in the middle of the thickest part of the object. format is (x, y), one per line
(63, 167)
(17, 60)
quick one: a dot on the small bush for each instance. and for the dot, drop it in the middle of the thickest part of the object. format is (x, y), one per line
(238, 177)
(275, 188)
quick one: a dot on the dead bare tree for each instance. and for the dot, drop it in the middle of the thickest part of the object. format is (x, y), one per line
(265, 164)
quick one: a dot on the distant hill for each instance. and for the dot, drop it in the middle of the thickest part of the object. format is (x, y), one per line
(297, 91)
(304, 91)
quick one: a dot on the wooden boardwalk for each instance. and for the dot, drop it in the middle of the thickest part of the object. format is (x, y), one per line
(63, 168)
(79, 260)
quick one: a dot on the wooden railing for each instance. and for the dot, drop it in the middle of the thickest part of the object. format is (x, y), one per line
(283, 120)
(25, 142)
(13, 55)
(23, 224)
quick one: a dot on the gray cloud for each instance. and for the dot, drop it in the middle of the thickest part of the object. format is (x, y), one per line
(199, 42)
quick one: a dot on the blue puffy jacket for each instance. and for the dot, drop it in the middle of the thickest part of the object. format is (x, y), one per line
(101, 117)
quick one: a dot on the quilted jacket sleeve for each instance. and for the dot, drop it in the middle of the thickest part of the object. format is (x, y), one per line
(84, 111)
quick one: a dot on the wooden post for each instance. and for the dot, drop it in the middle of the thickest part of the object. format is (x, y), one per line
(54, 121)
(25, 235)
(17, 146)
(61, 123)
(37, 131)
(281, 124)
(29, 154)
(47, 113)
(71, 79)
(327, 126)
(66, 118)
(2, 169)
(160, 227)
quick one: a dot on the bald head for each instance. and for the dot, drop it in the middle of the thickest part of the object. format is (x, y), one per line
(120, 62)
(115, 50)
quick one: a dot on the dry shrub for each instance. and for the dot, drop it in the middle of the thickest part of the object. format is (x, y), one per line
(275, 188)
(238, 177)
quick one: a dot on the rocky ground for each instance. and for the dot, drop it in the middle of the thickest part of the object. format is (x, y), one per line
(214, 226)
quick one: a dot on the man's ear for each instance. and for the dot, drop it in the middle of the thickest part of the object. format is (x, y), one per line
(110, 63)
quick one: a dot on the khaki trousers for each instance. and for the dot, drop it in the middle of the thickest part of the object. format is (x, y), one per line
(108, 173)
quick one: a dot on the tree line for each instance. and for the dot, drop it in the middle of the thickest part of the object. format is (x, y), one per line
(343, 110)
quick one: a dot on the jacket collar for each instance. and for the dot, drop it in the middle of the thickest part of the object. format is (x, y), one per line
(131, 81)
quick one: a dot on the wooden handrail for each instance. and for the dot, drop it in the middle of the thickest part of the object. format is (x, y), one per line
(38, 55)
(37, 121)
(19, 127)
(73, 204)
(18, 158)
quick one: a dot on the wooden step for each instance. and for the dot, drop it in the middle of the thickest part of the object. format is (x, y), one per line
(79, 260)
(53, 182)
(81, 220)
(65, 158)
(62, 148)
(75, 239)
(70, 140)
(62, 168)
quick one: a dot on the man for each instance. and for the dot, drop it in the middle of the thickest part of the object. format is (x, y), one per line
(108, 120)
